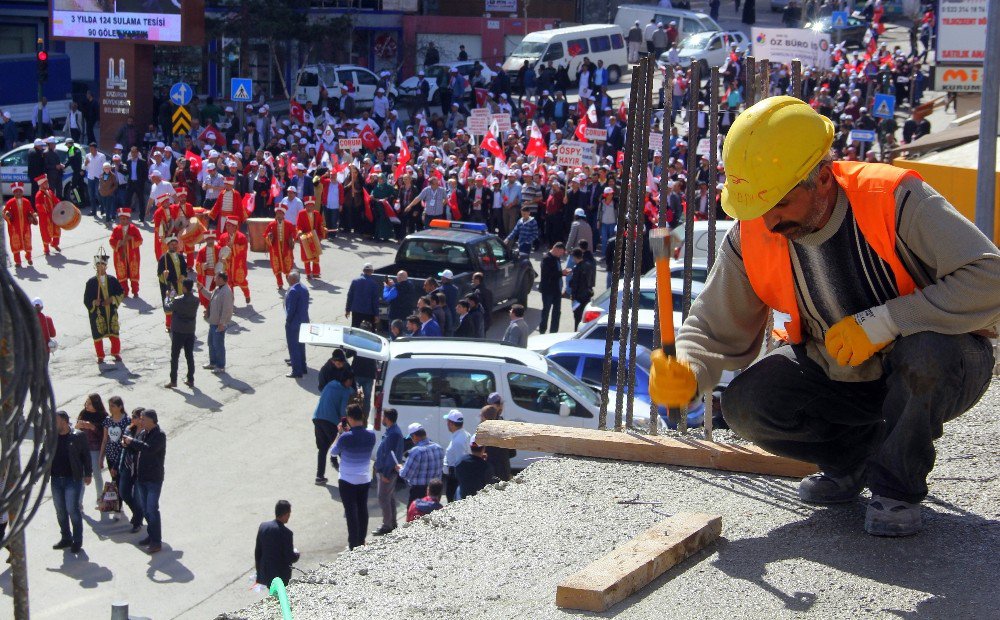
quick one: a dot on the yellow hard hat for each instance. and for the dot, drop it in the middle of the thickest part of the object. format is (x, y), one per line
(771, 147)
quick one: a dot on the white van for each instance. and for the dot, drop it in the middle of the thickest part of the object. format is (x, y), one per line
(425, 378)
(688, 22)
(313, 78)
(569, 46)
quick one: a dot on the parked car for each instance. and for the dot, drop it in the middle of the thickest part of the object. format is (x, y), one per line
(700, 239)
(585, 360)
(569, 46)
(599, 305)
(853, 35)
(708, 49)
(311, 79)
(437, 76)
(14, 167)
(688, 22)
(425, 378)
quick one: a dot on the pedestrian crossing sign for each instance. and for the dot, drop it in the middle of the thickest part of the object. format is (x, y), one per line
(884, 106)
(241, 89)
(839, 19)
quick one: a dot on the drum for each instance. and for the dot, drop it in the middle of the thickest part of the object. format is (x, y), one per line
(255, 228)
(311, 246)
(223, 264)
(202, 216)
(193, 234)
(65, 215)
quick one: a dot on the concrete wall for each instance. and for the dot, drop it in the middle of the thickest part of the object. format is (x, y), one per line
(958, 185)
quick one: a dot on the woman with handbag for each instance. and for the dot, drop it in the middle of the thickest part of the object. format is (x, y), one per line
(126, 471)
(115, 426)
(91, 423)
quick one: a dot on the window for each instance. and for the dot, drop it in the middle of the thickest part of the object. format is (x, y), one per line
(554, 52)
(345, 76)
(617, 42)
(413, 388)
(19, 158)
(716, 44)
(569, 362)
(308, 79)
(691, 26)
(499, 252)
(577, 47)
(429, 250)
(442, 387)
(645, 335)
(368, 79)
(538, 395)
(600, 44)
(593, 371)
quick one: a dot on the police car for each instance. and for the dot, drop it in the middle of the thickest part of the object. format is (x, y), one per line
(14, 166)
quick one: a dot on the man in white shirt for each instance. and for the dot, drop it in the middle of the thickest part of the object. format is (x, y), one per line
(159, 165)
(158, 187)
(93, 164)
(458, 447)
(73, 127)
(380, 106)
(292, 203)
(211, 185)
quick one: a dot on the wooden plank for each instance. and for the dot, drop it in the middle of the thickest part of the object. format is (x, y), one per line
(685, 451)
(635, 564)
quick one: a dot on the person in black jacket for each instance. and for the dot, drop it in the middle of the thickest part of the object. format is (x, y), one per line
(473, 471)
(401, 295)
(36, 165)
(150, 448)
(71, 470)
(275, 552)
(581, 287)
(335, 368)
(466, 323)
(550, 286)
(185, 316)
(484, 298)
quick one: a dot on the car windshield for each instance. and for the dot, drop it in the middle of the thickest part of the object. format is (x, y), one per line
(432, 251)
(436, 71)
(581, 390)
(528, 49)
(697, 41)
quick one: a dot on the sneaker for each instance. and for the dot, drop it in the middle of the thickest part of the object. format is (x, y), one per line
(62, 544)
(320, 481)
(891, 517)
(382, 531)
(829, 489)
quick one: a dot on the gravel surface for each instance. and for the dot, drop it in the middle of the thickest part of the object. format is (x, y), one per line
(501, 554)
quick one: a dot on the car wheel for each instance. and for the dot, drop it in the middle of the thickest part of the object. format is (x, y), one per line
(522, 294)
(614, 74)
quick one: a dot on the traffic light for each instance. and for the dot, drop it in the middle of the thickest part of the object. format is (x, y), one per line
(43, 65)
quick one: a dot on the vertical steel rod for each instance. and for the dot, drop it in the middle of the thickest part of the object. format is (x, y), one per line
(750, 68)
(796, 78)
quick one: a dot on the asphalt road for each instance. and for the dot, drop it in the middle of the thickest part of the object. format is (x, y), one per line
(236, 444)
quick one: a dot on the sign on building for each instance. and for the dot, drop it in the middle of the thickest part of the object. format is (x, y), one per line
(501, 6)
(954, 79)
(134, 20)
(783, 45)
(961, 32)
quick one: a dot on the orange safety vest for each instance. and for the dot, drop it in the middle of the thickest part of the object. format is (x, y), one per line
(870, 191)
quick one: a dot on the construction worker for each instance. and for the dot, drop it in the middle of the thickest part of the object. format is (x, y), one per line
(891, 294)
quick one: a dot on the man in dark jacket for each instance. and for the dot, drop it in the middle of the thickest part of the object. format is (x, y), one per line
(476, 314)
(466, 323)
(53, 166)
(150, 448)
(36, 165)
(473, 471)
(401, 295)
(71, 470)
(550, 286)
(182, 325)
(275, 552)
(485, 297)
(581, 285)
(363, 298)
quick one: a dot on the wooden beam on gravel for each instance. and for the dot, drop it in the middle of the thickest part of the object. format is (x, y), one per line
(638, 562)
(616, 446)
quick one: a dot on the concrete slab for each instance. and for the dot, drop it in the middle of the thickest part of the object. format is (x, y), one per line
(502, 553)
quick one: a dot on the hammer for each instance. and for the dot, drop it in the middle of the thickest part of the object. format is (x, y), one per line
(659, 243)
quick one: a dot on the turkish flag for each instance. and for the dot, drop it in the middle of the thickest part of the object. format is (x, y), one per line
(368, 206)
(543, 171)
(296, 111)
(390, 213)
(536, 143)
(368, 139)
(212, 134)
(530, 109)
(248, 202)
(440, 176)
(275, 192)
(481, 95)
(194, 162)
(404, 154)
(463, 174)
(456, 213)
(490, 144)
(581, 129)
(623, 112)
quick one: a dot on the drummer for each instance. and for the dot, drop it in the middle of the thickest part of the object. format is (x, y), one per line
(162, 225)
(20, 216)
(311, 229)
(228, 206)
(158, 187)
(280, 236)
(205, 266)
(45, 205)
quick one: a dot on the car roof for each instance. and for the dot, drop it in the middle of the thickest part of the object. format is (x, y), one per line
(663, 10)
(450, 348)
(447, 234)
(646, 319)
(588, 346)
(554, 32)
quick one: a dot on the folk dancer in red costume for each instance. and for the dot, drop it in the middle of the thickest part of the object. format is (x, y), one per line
(310, 221)
(102, 296)
(228, 206)
(205, 266)
(20, 216)
(45, 203)
(280, 235)
(125, 242)
(236, 258)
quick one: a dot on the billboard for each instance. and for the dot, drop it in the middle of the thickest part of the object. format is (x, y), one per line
(958, 79)
(961, 34)
(784, 45)
(155, 21)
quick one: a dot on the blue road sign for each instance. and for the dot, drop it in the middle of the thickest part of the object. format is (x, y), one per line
(861, 135)
(838, 19)
(180, 94)
(884, 106)
(241, 89)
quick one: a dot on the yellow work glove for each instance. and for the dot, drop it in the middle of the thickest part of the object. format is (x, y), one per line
(671, 382)
(856, 338)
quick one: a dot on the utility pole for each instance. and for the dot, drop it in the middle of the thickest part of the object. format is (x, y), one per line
(988, 115)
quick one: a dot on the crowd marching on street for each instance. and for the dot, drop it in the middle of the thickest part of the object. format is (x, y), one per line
(186, 202)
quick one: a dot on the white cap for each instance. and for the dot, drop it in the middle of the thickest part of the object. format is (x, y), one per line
(37, 302)
(209, 166)
(156, 173)
(447, 274)
(39, 142)
(50, 140)
(455, 416)
(119, 147)
(414, 427)
(579, 212)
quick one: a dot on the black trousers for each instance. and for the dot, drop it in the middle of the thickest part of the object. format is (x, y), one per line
(178, 342)
(136, 189)
(786, 404)
(417, 491)
(551, 302)
(450, 484)
(325, 432)
(578, 313)
(354, 497)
